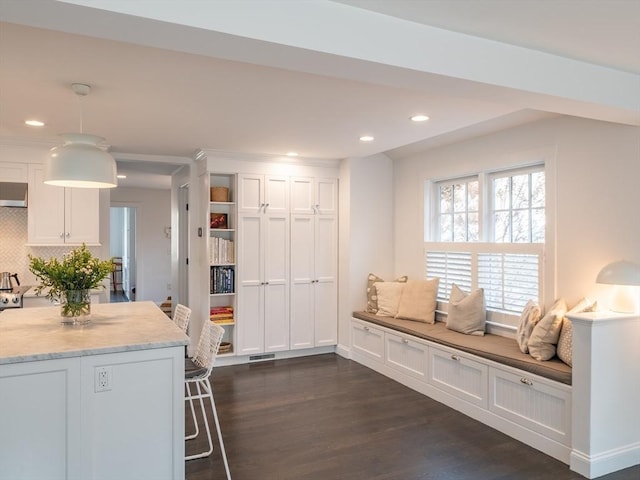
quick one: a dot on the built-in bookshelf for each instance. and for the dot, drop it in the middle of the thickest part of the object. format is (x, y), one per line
(222, 256)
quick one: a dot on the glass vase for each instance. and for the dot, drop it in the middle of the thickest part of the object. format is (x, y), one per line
(75, 307)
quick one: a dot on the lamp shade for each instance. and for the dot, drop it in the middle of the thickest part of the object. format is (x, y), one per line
(620, 273)
(80, 163)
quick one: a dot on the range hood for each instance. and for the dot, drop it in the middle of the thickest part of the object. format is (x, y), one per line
(13, 194)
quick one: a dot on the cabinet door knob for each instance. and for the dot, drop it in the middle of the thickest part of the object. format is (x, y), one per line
(526, 381)
(62, 235)
(405, 341)
(455, 357)
(68, 235)
(366, 329)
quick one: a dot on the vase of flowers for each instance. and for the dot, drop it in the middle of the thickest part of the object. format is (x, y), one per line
(70, 281)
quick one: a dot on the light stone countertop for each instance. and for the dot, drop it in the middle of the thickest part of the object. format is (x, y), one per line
(31, 334)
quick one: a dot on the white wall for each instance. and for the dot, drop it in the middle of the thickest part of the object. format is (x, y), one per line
(153, 248)
(366, 232)
(597, 167)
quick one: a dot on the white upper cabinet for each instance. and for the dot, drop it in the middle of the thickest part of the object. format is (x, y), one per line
(263, 194)
(314, 196)
(59, 216)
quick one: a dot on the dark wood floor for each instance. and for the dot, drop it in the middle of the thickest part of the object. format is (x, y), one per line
(327, 418)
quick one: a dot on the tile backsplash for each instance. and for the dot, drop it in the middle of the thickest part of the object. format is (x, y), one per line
(14, 252)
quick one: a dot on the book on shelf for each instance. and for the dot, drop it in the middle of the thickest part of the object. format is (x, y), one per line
(221, 251)
(222, 280)
(222, 315)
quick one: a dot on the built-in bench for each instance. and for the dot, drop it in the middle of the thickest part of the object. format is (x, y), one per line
(493, 347)
(485, 377)
(584, 416)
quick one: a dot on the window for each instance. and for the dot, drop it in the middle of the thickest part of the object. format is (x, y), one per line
(458, 209)
(499, 248)
(518, 201)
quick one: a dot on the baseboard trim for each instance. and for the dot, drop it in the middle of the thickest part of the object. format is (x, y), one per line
(223, 360)
(343, 351)
(593, 466)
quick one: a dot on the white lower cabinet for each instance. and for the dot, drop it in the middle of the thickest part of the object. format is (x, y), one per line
(458, 374)
(314, 265)
(406, 355)
(56, 423)
(538, 404)
(367, 340)
(263, 286)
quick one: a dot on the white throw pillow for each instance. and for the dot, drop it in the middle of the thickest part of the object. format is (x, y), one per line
(565, 342)
(466, 313)
(543, 340)
(528, 319)
(389, 294)
(418, 301)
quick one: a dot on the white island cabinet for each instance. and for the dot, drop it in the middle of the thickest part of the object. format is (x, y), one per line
(99, 401)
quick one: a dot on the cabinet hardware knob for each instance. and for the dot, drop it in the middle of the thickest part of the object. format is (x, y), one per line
(455, 357)
(526, 381)
(68, 235)
(405, 341)
(62, 235)
(366, 329)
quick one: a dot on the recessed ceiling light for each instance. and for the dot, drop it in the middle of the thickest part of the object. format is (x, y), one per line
(419, 118)
(34, 123)
(292, 154)
(121, 176)
(366, 138)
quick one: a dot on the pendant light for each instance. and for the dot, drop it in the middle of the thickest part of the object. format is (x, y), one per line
(79, 162)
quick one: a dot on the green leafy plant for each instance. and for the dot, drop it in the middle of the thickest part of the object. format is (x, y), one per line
(78, 270)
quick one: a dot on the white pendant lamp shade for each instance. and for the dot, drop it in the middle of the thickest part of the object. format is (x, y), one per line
(80, 163)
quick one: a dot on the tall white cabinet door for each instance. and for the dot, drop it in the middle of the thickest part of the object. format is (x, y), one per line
(302, 281)
(276, 282)
(276, 195)
(45, 215)
(303, 198)
(327, 196)
(326, 289)
(250, 306)
(82, 222)
(250, 193)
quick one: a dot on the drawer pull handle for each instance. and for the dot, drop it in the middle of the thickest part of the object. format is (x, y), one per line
(455, 357)
(526, 381)
(366, 329)
(404, 340)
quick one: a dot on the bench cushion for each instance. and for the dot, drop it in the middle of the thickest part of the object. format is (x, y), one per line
(493, 347)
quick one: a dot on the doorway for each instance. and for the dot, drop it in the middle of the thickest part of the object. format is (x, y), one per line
(123, 250)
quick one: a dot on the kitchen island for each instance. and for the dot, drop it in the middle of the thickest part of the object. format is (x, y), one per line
(105, 400)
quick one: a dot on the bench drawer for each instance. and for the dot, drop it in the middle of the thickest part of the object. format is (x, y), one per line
(367, 340)
(459, 375)
(406, 355)
(532, 402)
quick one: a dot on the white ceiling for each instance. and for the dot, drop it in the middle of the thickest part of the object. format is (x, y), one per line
(268, 77)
